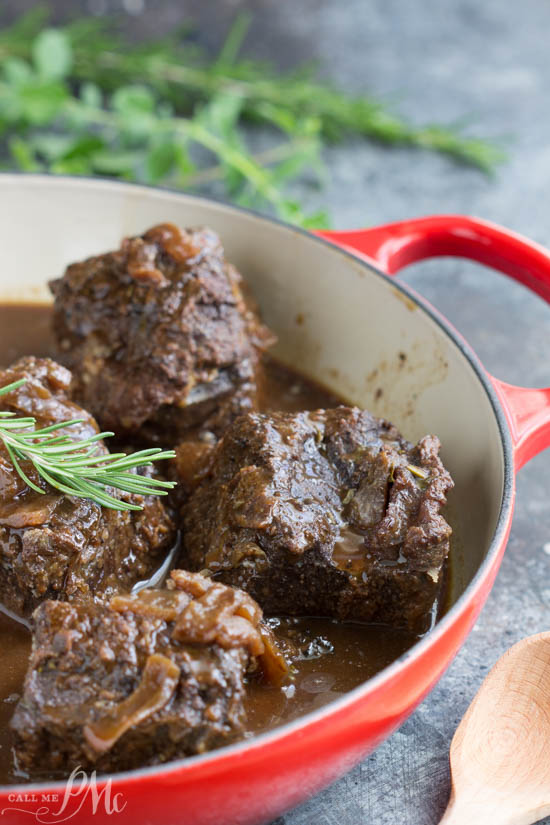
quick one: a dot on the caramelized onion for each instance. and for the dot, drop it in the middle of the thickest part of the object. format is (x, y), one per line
(141, 262)
(218, 613)
(273, 665)
(158, 682)
(174, 241)
(209, 612)
(158, 604)
(192, 583)
(30, 511)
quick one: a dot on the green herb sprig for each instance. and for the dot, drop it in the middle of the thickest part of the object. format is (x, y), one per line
(82, 100)
(75, 467)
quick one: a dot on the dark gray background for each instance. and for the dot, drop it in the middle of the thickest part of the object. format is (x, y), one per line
(434, 60)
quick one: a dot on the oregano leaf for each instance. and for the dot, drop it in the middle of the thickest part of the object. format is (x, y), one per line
(52, 54)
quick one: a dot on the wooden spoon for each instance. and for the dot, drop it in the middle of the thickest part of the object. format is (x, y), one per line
(500, 753)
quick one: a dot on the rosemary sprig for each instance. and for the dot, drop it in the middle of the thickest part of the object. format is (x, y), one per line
(75, 467)
(80, 99)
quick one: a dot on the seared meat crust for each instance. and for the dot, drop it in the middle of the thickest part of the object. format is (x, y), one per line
(56, 546)
(326, 513)
(160, 336)
(141, 680)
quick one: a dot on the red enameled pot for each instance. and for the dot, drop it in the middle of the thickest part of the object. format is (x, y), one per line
(345, 322)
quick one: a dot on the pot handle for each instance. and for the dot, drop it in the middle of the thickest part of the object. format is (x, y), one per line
(395, 245)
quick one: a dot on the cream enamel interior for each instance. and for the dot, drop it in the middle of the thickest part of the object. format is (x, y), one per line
(338, 322)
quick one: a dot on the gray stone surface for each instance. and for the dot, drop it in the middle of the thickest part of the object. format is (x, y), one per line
(436, 60)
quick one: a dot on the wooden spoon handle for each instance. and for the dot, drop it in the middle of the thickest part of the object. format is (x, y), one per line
(459, 814)
(488, 811)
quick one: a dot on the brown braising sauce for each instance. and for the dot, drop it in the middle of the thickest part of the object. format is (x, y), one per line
(334, 657)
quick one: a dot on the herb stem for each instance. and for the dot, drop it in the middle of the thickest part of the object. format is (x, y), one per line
(265, 158)
(79, 99)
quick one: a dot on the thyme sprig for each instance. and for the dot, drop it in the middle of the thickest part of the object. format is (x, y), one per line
(80, 99)
(76, 467)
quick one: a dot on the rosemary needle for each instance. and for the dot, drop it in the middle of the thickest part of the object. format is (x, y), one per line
(75, 467)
